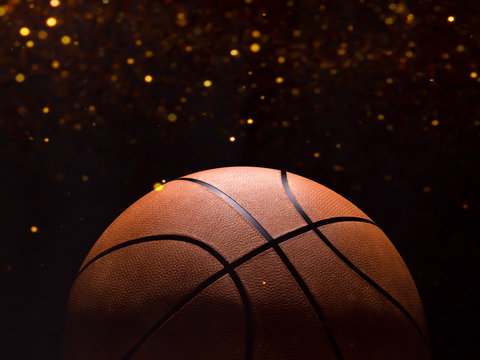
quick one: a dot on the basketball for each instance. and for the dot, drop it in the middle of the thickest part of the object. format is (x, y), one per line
(244, 263)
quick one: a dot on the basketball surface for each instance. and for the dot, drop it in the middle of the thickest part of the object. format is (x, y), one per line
(244, 263)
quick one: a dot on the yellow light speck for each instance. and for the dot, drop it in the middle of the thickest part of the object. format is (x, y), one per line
(451, 19)
(91, 108)
(19, 78)
(180, 16)
(24, 31)
(409, 54)
(138, 42)
(84, 178)
(389, 20)
(281, 59)
(341, 51)
(410, 18)
(316, 155)
(148, 78)
(34, 229)
(172, 117)
(46, 110)
(149, 53)
(46, 140)
(66, 40)
(234, 52)
(295, 91)
(207, 83)
(30, 43)
(51, 21)
(435, 122)
(473, 75)
(380, 117)
(55, 64)
(250, 121)
(54, 3)
(232, 138)
(264, 282)
(255, 47)
(2, 10)
(389, 81)
(256, 33)
(42, 34)
(158, 186)
(460, 48)
(130, 61)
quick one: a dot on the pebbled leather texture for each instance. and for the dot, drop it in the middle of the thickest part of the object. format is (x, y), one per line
(165, 298)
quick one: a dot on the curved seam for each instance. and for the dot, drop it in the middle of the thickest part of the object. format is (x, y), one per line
(293, 271)
(350, 264)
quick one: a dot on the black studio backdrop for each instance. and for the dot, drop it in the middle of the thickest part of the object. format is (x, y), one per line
(374, 100)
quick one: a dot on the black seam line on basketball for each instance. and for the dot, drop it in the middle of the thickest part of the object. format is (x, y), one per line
(257, 251)
(347, 261)
(228, 269)
(293, 271)
(205, 284)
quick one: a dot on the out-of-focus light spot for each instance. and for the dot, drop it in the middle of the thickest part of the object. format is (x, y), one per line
(389, 20)
(148, 78)
(341, 51)
(256, 33)
(55, 64)
(46, 140)
(427, 189)
(24, 31)
(281, 59)
(84, 178)
(460, 48)
(19, 78)
(130, 61)
(149, 53)
(66, 40)
(30, 43)
(42, 34)
(389, 81)
(473, 75)
(2, 10)
(54, 3)
(158, 186)
(207, 83)
(409, 54)
(380, 117)
(264, 282)
(316, 155)
(138, 42)
(106, 2)
(279, 80)
(234, 52)
(9, 267)
(46, 110)
(232, 138)
(64, 74)
(34, 229)
(435, 122)
(255, 47)
(91, 108)
(188, 48)
(51, 21)
(77, 126)
(250, 121)
(451, 18)
(410, 18)
(392, 6)
(172, 117)
(295, 91)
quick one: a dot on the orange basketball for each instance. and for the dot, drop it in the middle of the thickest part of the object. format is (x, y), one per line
(244, 263)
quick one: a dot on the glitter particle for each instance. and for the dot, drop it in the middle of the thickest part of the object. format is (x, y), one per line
(451, 19)
(34, 229)
(207, 83)
(19, 78)
(66, 40)
(473, 75)
(234, 52)
(249, 121)
(255, 47)
(51, 22)
(279, 80)
(232, 138)
(46, 110)
(158, 186)
(148, 78)
(46, 140)
(54, 3)
(24, 31)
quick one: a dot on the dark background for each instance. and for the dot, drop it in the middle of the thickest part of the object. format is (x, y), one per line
(379, 102)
